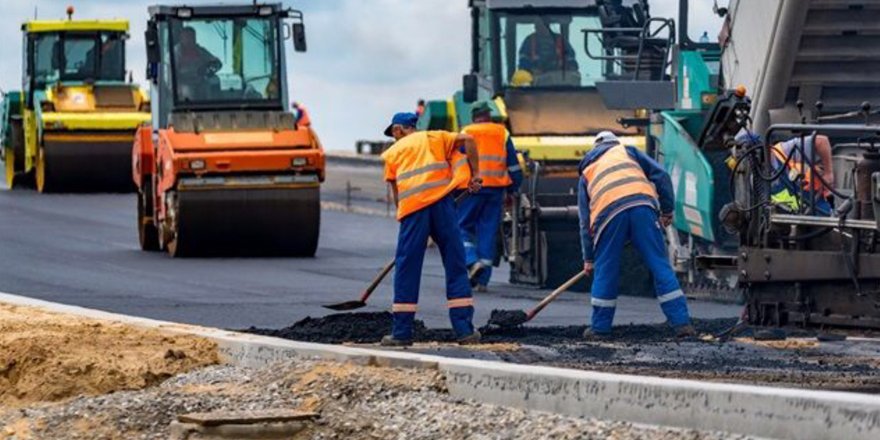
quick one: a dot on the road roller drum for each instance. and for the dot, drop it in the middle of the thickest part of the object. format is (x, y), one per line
(257, 222)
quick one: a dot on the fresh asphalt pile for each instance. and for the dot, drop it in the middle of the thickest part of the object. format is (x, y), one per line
(799, 361)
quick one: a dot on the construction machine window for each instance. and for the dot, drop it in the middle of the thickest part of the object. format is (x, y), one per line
(78, 57)
(547, 50)
(44, 66)
(232, 61)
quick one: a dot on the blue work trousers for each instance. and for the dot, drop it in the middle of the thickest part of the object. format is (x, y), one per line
(437, 221)
(479, 216)
(641, 226)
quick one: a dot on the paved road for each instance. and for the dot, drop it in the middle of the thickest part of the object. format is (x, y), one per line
(82, 250)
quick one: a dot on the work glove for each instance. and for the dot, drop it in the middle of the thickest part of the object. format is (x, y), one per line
(475, 184)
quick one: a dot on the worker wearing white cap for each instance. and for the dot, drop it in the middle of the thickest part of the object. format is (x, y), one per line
(625, 196)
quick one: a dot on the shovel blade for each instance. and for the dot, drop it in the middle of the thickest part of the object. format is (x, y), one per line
(348, 305)
(508, 318)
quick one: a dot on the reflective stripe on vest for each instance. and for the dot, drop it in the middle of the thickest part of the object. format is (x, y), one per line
(795, 171)
(425, 172)
(612, 177)
(491, 142)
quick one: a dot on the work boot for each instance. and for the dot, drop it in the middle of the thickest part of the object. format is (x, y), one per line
(475, 270)
(390, 341)
(590, 335)
(686, 331)
(480, 288)
(471, 339)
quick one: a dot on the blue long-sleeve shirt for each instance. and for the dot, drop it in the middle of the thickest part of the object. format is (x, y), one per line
(653, 171)
(514, 170)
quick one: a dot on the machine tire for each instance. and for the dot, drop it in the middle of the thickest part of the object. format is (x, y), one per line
(148, 234)
(174, 249)
(14, 161)
(45, 181)
(9, 161)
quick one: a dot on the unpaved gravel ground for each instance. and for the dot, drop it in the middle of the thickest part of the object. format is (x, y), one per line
(801, 361)
(354, 403)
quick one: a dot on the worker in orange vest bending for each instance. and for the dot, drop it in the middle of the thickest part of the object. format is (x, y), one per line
(479, 216)
(423, 168)
(625, 196)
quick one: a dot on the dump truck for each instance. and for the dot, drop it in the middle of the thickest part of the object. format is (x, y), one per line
(224, 168)
(71, 126)
(548, 95)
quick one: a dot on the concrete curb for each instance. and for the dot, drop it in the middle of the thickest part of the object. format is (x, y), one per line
(745, 409)
(354, 209)
(352, 159)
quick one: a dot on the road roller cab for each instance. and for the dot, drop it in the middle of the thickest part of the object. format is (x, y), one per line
(71, 126)
(224, 167)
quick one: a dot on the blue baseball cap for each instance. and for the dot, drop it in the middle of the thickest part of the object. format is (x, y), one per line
(403, 119)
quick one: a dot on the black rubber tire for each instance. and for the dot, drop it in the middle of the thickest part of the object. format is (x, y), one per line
(148, 234)
(45, 181)
(15, 155)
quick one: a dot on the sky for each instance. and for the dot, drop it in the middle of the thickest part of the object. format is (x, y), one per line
(367, 59)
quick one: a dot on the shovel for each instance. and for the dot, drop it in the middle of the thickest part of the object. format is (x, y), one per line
(362, 302)
(513, 318)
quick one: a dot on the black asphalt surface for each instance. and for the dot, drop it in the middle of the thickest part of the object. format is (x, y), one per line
(82, 250)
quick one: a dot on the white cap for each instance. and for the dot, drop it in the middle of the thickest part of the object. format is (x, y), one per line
(606, 136)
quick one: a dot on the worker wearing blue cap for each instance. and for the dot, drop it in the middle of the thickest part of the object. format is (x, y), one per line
(423, 168)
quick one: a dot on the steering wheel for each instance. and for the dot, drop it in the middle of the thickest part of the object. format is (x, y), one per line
(209, 69)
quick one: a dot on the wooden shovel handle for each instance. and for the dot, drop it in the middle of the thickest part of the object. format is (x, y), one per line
(559, 291)
(378, 280)
(385, 270)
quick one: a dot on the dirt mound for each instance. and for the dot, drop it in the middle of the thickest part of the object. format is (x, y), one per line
(49, 357)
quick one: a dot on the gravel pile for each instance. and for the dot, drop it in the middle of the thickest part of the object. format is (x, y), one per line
(356, 403)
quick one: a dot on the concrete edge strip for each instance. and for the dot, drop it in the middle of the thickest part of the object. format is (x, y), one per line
(351, 159)
(340, 207)
(744, 409)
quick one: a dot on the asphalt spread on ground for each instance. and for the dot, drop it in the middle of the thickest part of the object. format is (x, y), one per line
(799, 361)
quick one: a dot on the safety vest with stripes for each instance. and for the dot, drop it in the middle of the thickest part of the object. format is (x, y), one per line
(795, 172)
(491, 142)
(613, 176)
(426, 168)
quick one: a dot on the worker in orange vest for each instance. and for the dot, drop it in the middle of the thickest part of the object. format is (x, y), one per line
(301, 114)
(423, 168)
(479, 215)
(625, 196)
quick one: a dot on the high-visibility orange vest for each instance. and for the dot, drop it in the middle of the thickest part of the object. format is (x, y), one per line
(426, 169)
(613, 176)
(796, 171)
(491, 142)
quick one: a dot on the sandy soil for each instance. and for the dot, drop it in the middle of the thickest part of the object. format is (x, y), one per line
(47, 357)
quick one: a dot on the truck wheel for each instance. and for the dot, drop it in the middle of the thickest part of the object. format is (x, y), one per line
(148, 235)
